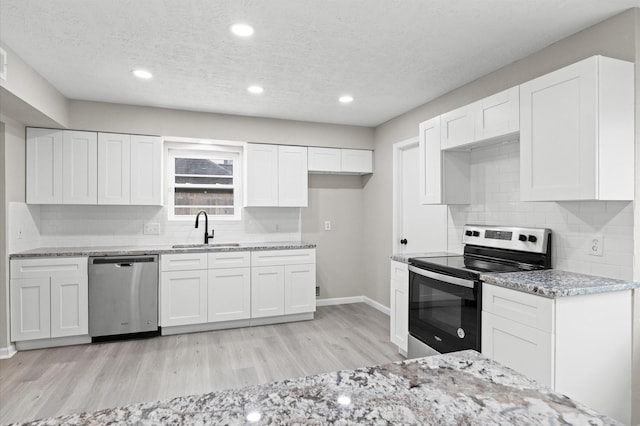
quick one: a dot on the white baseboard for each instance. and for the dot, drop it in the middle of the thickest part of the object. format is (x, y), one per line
(8, 352)
(353, 299)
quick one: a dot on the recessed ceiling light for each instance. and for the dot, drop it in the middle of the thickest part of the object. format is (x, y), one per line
(242, 30)
(143, 74)
(255, 89)
(346, 99)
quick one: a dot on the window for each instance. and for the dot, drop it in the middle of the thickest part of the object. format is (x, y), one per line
(204, 179)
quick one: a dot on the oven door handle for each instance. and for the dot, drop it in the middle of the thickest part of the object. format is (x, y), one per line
(441, 277)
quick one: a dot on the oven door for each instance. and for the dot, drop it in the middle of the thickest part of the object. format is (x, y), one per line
(444, 311)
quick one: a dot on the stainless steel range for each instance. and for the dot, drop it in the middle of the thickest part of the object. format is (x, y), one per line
(445, 293)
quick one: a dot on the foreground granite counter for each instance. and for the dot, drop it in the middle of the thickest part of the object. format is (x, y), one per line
(553, 283)
(459, 388)
(159, 249)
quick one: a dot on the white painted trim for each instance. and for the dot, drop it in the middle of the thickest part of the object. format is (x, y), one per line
(8, 352)
(397, 193)
(339, 301)
(354, 299)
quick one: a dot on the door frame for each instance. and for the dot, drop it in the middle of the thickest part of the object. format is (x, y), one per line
(398, 147)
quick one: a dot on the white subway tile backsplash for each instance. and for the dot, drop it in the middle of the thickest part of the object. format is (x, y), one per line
(496, 201)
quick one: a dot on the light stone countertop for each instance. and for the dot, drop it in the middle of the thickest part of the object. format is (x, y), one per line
(404, 257)
(458, 388)
(554, 283)
(159, 249)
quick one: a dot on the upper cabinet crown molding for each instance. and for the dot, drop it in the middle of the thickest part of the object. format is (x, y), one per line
(577, 136)
(340, 161)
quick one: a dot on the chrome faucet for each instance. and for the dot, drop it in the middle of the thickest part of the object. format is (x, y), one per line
(206, 226)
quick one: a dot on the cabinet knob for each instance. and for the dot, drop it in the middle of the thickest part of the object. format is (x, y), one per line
(533, 238)
(468, 233)
(476, 233)
(522, 237)
(403, 241)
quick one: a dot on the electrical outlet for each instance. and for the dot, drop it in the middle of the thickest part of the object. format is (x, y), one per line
(596, 245)
(327, 225)
(20, 233)
(151, 229)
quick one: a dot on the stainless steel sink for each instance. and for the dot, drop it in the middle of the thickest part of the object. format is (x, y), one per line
(197, 246)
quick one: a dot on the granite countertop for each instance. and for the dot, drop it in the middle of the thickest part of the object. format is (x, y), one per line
(458, 388)
(554, 283)
(404, 257)
(159, 249)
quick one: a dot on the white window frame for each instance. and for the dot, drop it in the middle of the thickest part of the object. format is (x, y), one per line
(204, 149)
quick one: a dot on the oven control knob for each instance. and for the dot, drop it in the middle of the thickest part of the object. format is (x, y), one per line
(533, 238)
(522, 237)
(468, 233)
(461, 333)
(476, 233)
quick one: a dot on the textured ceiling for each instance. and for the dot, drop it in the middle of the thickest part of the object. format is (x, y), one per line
(391, 55)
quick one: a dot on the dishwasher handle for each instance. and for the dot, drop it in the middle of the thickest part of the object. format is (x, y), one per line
(122, 261)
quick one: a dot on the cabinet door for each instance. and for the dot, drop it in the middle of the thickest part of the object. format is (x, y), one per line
(356, 161)
(267, 291)
(229, 294)
(525, 349)
(324, 160)
(558, 127)
(457, 127)
(30, 308)
(80, 163)
(114, 168)
(430, 162)
(497, 115)
(183, 298)
(69, 305)
(399, 304)
(293, 189)
(146, 170)
(299, 289)
(261, 183)
(44, 166)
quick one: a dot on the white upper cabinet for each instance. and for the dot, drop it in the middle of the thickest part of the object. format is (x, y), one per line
(325, 160)
(359, 161)
(44, 166)
(430, 162)
(497, 115)
(114, 168)
(292, 176)
(276, 176)
(146, 170)
(261, 183)
(77, 167)
(457, 127)
(577, 133)
(79, 174)
(340, 161)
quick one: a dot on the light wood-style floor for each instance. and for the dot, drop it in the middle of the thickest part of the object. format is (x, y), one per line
(50, 382)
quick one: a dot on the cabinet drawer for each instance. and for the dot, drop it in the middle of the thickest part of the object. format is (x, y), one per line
(44, 267)
(283, 257)
(229, 259)
(527, 309)
(183, 262)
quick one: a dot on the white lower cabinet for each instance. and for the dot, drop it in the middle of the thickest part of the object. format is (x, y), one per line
(283, 282)
(183, 298)
(399, 305)
(580, 346)
(229, 286)
(49, 298)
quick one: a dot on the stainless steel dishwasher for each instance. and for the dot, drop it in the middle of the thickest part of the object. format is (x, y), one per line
(123, 297)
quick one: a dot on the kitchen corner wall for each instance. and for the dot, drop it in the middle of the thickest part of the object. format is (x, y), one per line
(495, 200)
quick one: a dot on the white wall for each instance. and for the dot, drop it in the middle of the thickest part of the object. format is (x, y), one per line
(495, 200)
